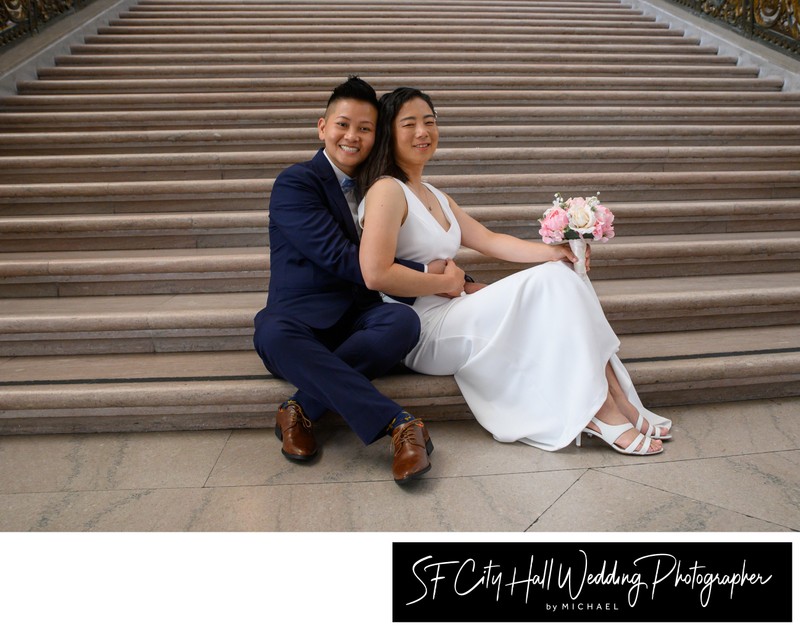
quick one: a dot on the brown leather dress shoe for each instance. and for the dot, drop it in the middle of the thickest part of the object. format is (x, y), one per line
(295, 431)
(411, 446)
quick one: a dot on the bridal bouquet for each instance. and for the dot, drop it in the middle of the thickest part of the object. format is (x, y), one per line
(576, 221)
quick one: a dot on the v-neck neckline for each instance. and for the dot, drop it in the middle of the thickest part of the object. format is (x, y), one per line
(429, 212)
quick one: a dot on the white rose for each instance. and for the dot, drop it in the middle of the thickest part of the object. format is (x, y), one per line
(581, 217)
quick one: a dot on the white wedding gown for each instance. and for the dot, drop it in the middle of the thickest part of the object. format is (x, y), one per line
(528, 352)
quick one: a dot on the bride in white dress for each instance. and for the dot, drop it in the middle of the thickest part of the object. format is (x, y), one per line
(533, 353)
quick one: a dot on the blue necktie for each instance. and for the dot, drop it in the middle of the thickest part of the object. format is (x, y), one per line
(348, 184)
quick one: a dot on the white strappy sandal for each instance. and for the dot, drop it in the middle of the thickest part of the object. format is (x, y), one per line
(653, 429)
(609, 433)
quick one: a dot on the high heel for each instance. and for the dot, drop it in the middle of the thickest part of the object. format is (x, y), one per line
(653, 429)
(610, 433)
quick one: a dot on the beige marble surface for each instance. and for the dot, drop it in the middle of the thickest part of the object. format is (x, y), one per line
(731, 468)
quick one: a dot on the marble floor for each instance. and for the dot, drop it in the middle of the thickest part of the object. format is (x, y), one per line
(731, 472)
(732, 467)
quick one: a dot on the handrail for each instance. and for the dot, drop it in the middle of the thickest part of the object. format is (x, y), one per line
(776, 22)
(24, 18)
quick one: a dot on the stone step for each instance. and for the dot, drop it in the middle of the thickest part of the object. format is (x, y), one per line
(730, 96)
(673, 256)
(192, 230)
(163, 366)
(688, 50)
(520, 115)
(134, 272)
(700, 303)
(466, 5)
(223, 321)
(93, 54)
(548, 91)
(537, 190)
(173, 230)
(628, 92)
(361, 14)
(381, 5)
(330, 42)
(342, 11)
(295, 21)
(421, 75)
(676, 219)
(376, 15)
(128, 324)
(376, 5)
(247, 269)
(175, 141)
(619, 30)
(642, 187)
(254, 164)
(162, 230)
(225, 390)
(500, 5)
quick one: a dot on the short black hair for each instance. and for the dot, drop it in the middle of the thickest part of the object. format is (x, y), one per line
(356, 89)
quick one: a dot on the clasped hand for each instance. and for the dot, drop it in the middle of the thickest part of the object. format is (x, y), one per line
(457, 275)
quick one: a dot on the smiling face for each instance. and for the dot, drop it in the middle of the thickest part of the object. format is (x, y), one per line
(348, 131)
(416, 135)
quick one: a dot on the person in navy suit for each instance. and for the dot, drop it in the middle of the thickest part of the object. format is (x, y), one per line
(322, 329)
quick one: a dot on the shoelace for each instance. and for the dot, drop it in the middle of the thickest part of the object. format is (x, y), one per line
(406, 435)
(299, 416)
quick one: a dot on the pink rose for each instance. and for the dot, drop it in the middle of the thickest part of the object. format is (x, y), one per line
(604, 224)
(553, 223)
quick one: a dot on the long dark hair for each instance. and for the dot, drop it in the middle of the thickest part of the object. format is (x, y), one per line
(381, 159)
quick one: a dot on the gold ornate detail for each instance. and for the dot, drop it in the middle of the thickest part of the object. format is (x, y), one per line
(775, 21)
(779, 15)
(20, 17)
(14, 11)
(728, 10)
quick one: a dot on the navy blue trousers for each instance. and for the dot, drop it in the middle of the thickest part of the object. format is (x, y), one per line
(332, 368)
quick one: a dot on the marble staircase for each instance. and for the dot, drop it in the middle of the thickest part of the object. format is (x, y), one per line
(136, 174)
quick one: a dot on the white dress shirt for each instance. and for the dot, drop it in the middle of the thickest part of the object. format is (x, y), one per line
(350, 196)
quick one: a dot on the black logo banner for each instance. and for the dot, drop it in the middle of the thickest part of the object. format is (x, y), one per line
(603, 582)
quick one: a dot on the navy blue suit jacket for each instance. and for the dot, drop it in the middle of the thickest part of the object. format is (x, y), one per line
(315, 274)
